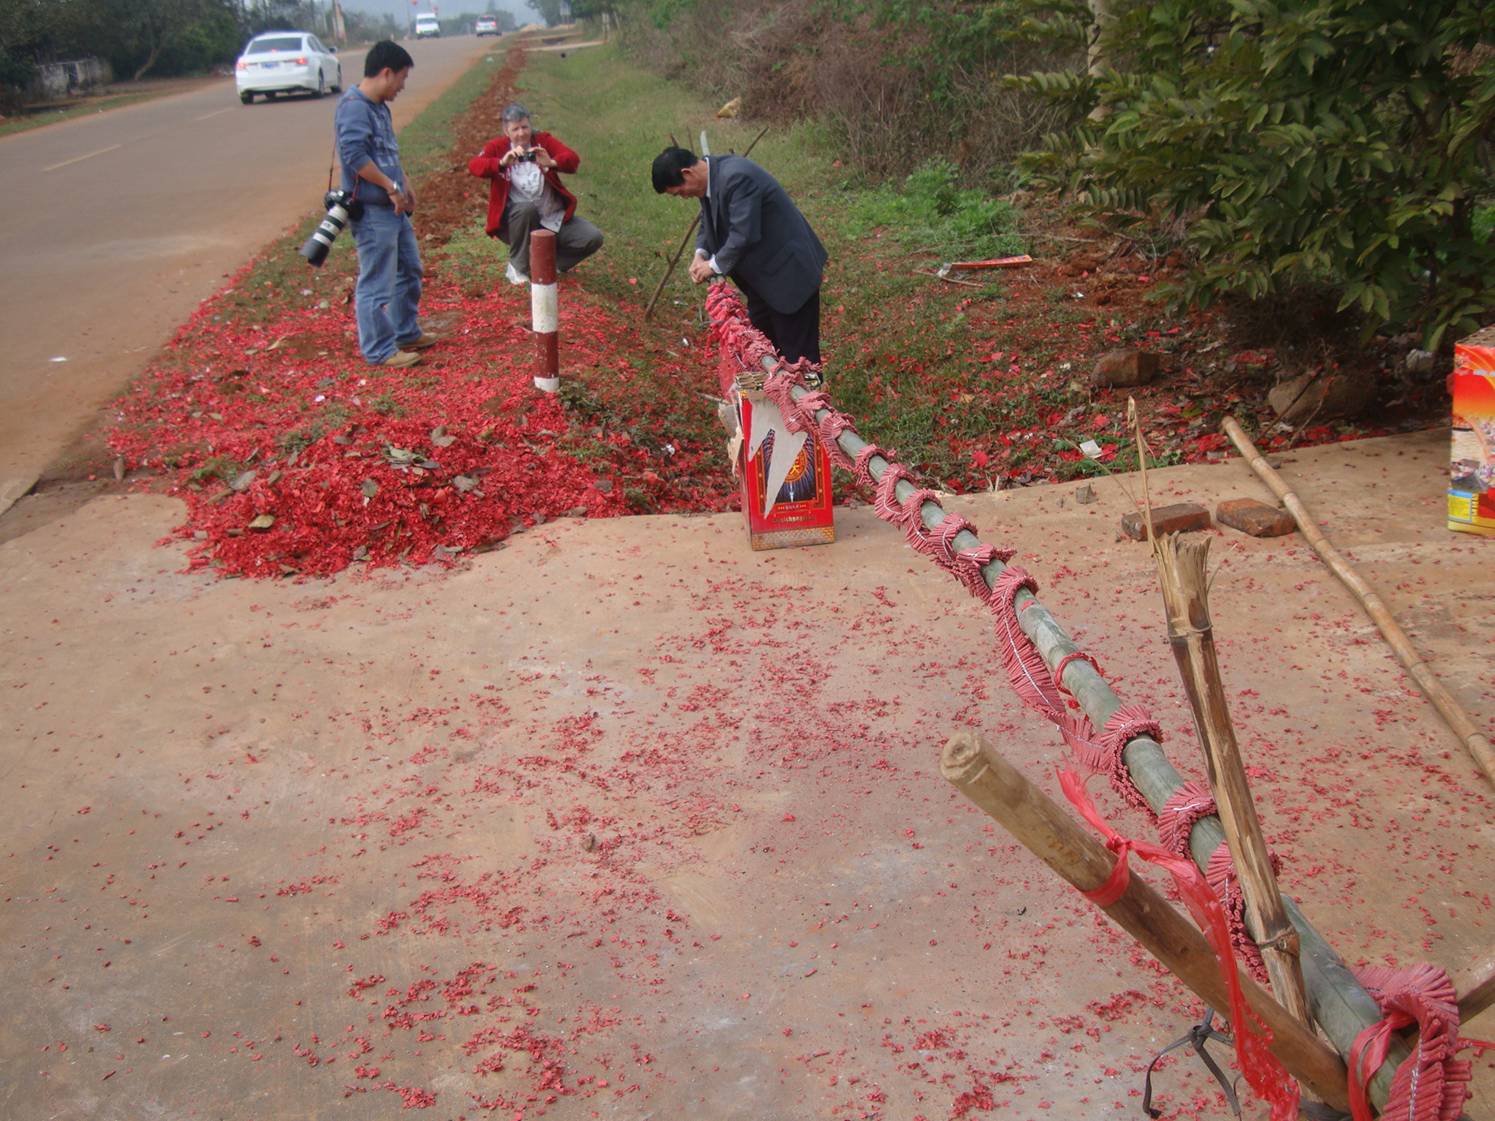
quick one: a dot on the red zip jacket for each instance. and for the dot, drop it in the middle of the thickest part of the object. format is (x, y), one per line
(485, 166)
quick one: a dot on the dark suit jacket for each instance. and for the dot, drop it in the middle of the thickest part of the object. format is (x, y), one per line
(758, 236)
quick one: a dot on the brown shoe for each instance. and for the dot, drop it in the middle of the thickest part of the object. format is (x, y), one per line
(425, 340)
(400, 359)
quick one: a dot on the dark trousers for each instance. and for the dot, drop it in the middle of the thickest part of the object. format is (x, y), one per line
(796, 334)
(576, 240)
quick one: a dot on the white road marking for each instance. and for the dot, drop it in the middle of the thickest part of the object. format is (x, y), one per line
(80, 159)
(209, 116)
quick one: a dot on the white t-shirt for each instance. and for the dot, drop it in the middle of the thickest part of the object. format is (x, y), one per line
(527, 184)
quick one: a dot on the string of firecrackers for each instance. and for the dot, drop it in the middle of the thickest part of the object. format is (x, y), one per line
(1433, 1084)
(743, 349)
(1433, 1075)
(1030, 677)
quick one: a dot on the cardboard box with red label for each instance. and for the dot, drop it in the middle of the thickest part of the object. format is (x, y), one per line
(786, 479)
(1471, 488)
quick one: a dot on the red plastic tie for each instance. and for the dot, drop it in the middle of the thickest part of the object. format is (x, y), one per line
(1070, 657)
(1262, 1071)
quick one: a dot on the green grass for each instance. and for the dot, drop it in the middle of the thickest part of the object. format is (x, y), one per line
(619, 117)
(931, 211)
(425, 143)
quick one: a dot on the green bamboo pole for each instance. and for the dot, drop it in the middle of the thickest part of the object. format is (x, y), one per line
(1341, 1007)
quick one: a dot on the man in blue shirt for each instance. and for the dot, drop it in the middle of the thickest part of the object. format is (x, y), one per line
(389, 270)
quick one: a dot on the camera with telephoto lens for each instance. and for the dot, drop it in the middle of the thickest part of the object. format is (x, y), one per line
(342, 208)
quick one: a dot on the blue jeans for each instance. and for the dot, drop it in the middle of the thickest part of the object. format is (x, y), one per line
(389, 272)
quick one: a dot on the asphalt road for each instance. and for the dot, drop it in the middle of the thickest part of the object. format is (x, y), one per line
(117, 225)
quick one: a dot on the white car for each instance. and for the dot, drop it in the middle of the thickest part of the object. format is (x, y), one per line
(485, 25)
(277, 62)
(427, 26)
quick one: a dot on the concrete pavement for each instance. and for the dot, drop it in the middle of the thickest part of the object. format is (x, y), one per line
(625, 820)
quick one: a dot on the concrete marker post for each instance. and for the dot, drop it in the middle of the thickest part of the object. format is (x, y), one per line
(544, 311)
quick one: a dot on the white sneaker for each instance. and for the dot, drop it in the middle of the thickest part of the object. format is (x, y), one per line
(514, 275)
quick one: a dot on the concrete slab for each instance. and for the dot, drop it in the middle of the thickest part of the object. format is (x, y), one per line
(625, 820)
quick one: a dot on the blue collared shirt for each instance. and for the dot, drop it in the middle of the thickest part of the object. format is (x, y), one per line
(364, 130)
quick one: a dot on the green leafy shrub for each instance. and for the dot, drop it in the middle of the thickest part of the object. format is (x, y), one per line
(1308, 143)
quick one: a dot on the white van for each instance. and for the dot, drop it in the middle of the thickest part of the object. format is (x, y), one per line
(427, 26)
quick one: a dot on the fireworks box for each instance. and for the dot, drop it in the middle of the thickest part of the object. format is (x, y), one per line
(786, 479)
(1471, 488)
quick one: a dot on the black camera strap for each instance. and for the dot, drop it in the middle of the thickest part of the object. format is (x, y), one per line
(332, 170)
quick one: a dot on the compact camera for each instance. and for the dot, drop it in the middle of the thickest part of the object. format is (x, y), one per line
(342, 208)
(528, 155)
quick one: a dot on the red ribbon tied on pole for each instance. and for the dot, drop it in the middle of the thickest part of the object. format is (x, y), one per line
(1263, 1073)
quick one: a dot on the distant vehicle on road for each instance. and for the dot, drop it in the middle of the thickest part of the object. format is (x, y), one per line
(485, 25)
(427, 26)
(278, 62)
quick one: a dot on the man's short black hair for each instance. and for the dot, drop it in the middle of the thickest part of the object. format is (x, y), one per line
(386, 55)
(669, 168)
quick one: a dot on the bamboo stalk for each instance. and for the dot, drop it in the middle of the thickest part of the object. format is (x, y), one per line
(1183, 574)
(979, 772)
(1452, 712)
(669, 270)
(1476, 986)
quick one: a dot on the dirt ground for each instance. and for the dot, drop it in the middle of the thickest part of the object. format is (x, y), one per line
(624, 820)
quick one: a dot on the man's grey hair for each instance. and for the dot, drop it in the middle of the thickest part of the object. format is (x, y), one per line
(513, 111)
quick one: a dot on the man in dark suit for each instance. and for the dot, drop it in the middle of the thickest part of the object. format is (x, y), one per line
(751, 231)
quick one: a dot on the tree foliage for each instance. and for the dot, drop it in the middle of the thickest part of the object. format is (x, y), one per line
(138, 37)
(897, 82)
(1339, 144)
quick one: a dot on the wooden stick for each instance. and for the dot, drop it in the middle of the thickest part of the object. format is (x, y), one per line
(670, 268)
(1183, 563)
(947, 279)
(976, 769)
(675, 260)
(1452, 712)
(1476, 986)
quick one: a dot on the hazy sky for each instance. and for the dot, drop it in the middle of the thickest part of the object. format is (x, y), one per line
(401, 9)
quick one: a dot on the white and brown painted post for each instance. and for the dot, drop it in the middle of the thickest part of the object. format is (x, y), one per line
(544, 313)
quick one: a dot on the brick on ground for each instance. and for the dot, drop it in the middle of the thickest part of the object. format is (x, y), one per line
(1259, 519)
(1178, 517)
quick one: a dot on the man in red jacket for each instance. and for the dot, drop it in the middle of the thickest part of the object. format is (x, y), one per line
(527, 194)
